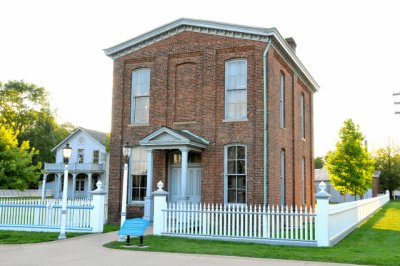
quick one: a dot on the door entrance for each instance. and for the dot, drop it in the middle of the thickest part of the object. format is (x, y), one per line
(194, 183)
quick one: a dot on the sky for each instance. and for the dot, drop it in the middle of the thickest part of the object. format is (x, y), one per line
(351, 48)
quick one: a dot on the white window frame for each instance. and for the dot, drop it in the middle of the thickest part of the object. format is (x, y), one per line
(282, 176)
(133, 160)
(282, 100)
(235, 62)
(226, 171)
(302, 116)
(135, 96)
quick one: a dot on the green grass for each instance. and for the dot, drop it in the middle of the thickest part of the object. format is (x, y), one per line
(376, 242)
(19, 237)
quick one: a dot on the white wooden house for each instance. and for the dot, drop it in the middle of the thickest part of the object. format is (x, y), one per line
(86, 166)
(336, 196)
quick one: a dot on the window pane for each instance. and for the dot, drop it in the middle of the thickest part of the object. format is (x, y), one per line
(232, 153)
(231, 167)
(135, 194)
(142, 194)
(143, 168)
(241, 196)
(241, 152)
(241, 182)
(241, 167)
(231, 196)
(231, 182)
(136, 181)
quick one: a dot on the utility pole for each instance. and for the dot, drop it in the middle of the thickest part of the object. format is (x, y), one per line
(396, 103)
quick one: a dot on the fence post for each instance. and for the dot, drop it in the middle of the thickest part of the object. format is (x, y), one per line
(322, 218)
(160, 204)
(97, 214)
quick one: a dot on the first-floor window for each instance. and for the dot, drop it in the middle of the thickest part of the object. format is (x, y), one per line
(80, 185)
(283, 163)
(139, 184)
(236, 173)
(138, 174)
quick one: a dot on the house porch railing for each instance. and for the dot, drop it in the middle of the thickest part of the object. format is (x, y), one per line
(84, 167)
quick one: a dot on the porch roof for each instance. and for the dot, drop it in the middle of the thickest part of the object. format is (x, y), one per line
(168, 138)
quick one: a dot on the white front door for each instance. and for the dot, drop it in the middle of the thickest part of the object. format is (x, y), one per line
(194, 184)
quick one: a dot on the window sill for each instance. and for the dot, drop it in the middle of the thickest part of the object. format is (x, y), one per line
(185, 123)
(139, 125)
(234, 120)
(136, 203)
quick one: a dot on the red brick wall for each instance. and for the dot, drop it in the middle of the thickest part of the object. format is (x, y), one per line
(187, 91)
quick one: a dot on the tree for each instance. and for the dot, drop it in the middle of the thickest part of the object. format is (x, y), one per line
(350, 166)
(388, 161)
(26, 109)
(16, 168)
(21, 104)
(319, 162)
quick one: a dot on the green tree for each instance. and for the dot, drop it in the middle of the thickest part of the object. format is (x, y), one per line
(387, 160)
(350, 166)
(26, 109)
(319, 162)
(16, 168)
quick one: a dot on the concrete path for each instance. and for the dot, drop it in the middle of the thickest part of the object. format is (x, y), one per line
(88, 250)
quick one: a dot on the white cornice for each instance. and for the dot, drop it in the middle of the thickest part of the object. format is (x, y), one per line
(214, 28)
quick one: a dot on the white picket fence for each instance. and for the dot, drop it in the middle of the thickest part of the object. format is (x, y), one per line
(45, 215)
(280, 225)
(252, 223)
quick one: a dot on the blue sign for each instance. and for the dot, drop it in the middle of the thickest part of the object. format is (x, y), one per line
(134, 227)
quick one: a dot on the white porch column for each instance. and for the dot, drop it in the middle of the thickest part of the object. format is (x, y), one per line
(44, 186)
(184, 176)
(148, 201)
(73, 185)
(89, 188)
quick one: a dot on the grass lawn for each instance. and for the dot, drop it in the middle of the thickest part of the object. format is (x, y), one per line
(376, 242)
(19, 237)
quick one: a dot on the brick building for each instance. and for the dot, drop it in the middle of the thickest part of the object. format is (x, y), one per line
(190, 97)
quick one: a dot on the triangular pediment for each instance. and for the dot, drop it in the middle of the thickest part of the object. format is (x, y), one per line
(167, 137)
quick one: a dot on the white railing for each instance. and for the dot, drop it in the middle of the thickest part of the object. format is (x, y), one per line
(83, 215)
(74, 167)
(334, 222)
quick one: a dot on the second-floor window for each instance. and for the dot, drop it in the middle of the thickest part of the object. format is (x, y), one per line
(282, 101)
(81, 155)
(302, 116)
(236, 89)
(140, 96)
(96, 157)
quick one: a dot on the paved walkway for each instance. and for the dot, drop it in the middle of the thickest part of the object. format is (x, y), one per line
(88, 250)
